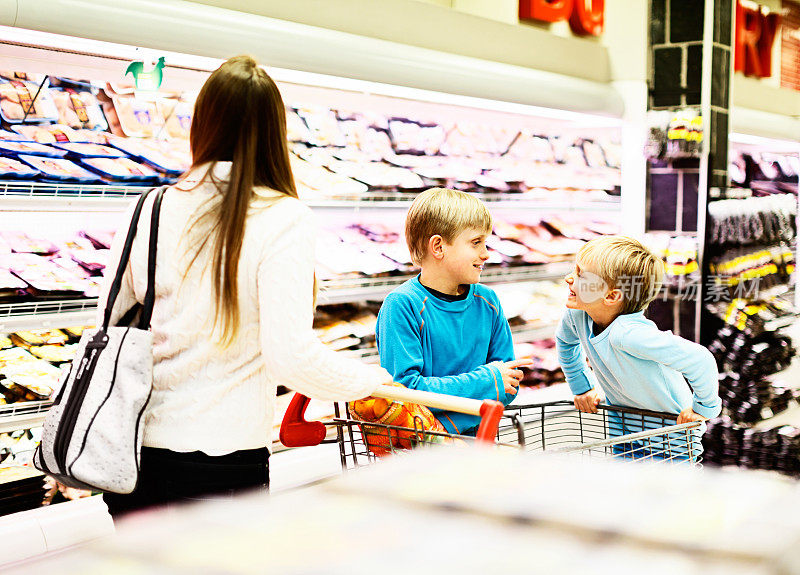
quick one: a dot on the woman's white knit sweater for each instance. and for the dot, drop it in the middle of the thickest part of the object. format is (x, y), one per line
(214, 399)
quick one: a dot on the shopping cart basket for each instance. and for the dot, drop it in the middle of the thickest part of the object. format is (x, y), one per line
(355, 437)
(620, 432)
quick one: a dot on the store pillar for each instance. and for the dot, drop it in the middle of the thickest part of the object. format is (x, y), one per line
(690, 70)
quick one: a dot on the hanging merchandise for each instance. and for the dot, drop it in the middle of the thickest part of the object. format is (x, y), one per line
(727, 443)
(764, 220)
(674, 135)
(750, 254)
(765, 172)
(681, 268)
(750, 271)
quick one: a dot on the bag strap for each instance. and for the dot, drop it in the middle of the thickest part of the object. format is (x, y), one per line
(123, 260)
(150, 294)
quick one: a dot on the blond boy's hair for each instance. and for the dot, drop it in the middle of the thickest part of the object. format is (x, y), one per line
(443, 212)
(625, 264)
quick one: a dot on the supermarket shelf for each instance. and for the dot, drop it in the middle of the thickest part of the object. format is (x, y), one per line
(24, 196)
(23, 415)
(47, 314)
(17, 195)
(80, 312)
(509, 201)
(346, 290)
(520, 334)
(524, 334)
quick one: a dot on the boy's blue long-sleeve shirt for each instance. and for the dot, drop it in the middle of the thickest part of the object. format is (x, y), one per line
(445, 347)
(638, 365)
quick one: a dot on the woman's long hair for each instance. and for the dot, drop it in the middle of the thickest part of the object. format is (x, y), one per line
(239, 116)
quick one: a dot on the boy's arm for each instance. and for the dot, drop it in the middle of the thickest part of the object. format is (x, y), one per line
(691, 359)
(571, 357)
(400, 347)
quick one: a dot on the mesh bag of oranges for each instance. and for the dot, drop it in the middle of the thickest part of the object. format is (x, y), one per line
(418, 423)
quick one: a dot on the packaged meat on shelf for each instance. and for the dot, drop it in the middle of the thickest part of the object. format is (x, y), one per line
(335, 153)
(58, 266)
(31, 362)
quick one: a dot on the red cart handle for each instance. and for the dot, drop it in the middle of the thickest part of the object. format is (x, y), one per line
(297, 432)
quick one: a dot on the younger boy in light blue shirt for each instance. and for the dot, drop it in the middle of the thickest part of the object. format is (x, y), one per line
(635, 363)
(442, 331)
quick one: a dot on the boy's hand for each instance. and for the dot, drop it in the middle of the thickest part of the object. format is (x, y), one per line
(510, 374)
(688, 415)
(587, 402)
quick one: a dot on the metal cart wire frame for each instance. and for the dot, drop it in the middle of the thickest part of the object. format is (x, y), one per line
(356, 437)
(614, 431)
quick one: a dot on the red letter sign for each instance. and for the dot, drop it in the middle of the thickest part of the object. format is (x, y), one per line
(545, 10)
(587, 17)
(755, 34)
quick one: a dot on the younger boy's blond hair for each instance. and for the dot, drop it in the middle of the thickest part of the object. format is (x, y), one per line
(625, 264)
(443, 212)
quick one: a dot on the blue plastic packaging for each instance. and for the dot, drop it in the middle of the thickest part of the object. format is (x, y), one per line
(121, 170)
(11, 169)
(61, 170)
(86, 150)
(12, 148)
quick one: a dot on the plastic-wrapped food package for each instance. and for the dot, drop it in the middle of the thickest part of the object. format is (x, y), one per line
(43, 276)
(377, 174)
(55, 353)
(531, 147)
(121, 169)
(88, 150)
(377, 144)
(354, 128)
(173, 159)
(45, 133)
(99, 239)
(296, 129)
(178, 117)
(594, 155)
(10, 285)
(52, 133)
(468, 139)
(412, 138)
(136, 118)
(323, 125)
(14, 170)
(317, 181)
(61, 170)
(20, 242)
(79, 109)
(31, 381)
(30, 338)
(16, 97)
(8, 135)
(11, 148)
(91, 260)
(71, 266)
(16, 355)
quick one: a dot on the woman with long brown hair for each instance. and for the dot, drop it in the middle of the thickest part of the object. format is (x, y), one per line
(235, 293)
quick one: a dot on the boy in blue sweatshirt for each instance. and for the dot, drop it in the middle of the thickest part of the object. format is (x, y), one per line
(442, 331)
(635, 363)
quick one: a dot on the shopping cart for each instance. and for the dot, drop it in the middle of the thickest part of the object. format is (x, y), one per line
(619, 432)
(357, 439)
